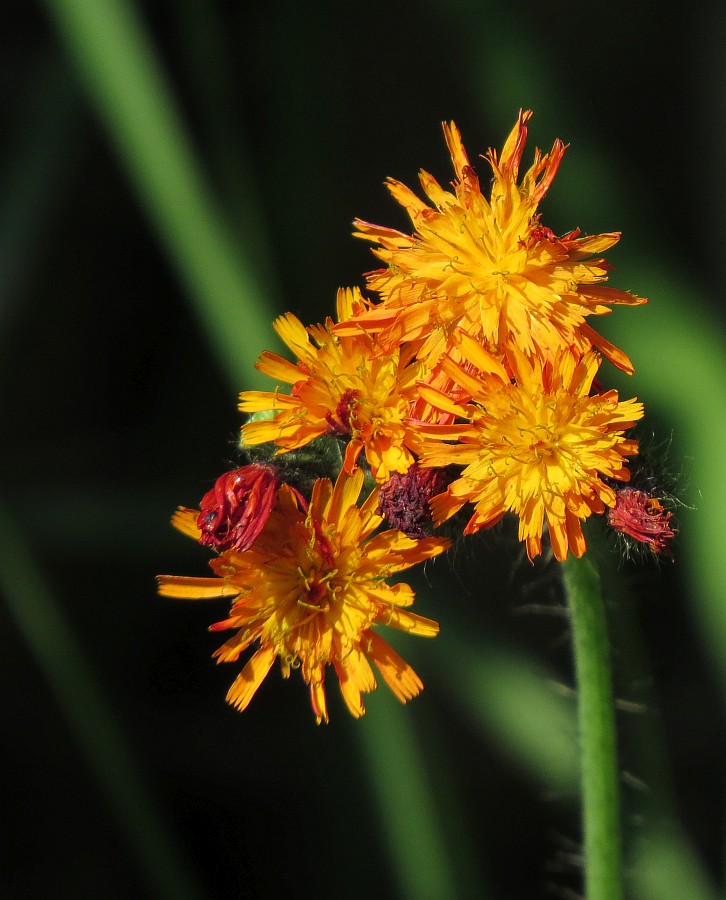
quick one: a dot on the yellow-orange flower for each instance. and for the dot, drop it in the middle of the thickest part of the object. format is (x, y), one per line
(341, 386)
(489, 266)
(310, 592)
(536, 444)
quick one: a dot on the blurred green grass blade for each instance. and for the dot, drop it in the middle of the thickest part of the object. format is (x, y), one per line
(107, 42)
(407, 808)
(36, 159)
(71, 678)
(468, 865)
(665, 868)
(210, 75)
(514, 702)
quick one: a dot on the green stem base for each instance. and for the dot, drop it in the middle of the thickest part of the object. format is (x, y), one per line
(596, 723)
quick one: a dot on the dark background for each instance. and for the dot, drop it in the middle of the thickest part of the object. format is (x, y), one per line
(116, 408)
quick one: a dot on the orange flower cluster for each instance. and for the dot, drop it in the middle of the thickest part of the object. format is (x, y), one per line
(478, 355)
(471, 379)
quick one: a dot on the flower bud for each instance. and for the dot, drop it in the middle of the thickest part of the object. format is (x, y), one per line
(642, 517)
(236, 509)
(404, 499)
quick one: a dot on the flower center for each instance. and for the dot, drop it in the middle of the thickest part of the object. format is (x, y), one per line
(316, 590)
(340, 423)
(543, 443)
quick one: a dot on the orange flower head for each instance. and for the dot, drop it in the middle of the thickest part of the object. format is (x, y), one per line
(488, 265)
(340, 385)
(312, 590)
(534, 442)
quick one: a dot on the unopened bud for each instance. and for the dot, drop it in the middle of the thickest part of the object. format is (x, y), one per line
(643, 518)
(236, 509)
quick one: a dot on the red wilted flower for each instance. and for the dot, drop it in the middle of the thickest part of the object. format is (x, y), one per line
(235, 511)
(643, 518)
(404, 499)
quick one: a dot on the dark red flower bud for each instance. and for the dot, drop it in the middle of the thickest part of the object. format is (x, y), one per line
(643, 518)
(404, 499)
(235, 511)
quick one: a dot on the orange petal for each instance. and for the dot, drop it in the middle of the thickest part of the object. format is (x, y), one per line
(184, 588)
(396, 672)
(251, 677)
(616, 356)
(185, 520)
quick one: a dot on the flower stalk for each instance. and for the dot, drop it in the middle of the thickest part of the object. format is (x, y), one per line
(596, 726)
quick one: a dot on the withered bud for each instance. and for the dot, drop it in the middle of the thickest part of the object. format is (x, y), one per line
(236, 509)
(404, 499)
(642, 517)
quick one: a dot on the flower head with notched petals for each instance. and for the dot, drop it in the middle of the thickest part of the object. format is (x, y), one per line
(534, 442)
(311, 591)
(341, 386)
(489, 266)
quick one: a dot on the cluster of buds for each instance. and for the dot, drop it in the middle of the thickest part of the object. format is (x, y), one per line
(468, 380)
